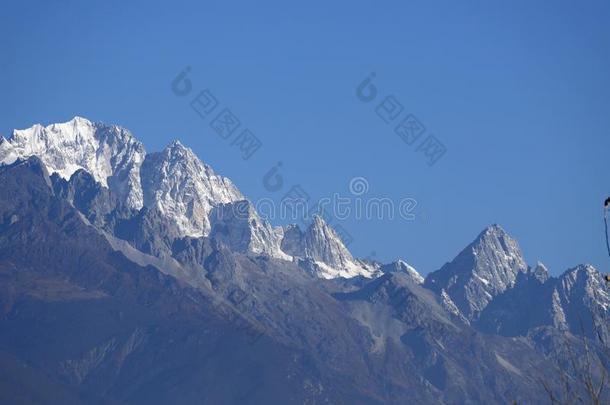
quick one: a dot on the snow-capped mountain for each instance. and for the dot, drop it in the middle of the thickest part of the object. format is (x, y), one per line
(484, 269)
(177, 189)
(108, 152)
(324, 250)
(184, 189)
(174, 181)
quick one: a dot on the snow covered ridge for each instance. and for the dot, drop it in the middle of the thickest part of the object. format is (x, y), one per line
(184, 191)
(108, 152)
(173, 181)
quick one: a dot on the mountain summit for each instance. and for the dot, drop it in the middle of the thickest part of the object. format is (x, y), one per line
(184, 189)
(321, 245)
(483, 270)
(109, 153)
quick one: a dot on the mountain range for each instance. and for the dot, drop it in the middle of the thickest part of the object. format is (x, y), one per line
(136, 277)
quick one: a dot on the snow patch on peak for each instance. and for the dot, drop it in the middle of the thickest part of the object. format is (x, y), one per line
(540, 272)
(78, 120)
(176, 144)
(411, 271)
(403, 267)
(348, 270)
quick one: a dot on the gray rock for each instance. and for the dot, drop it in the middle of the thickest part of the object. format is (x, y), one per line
(483, 270)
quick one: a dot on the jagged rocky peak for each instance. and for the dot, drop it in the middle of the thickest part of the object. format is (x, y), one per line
(584, 279)
(80, 183)
(400, 266)
(97, 203)
(238, 226)
(108, 152)
(540, 272)
(292, 240)
(495, 241)
(183, 188)
(32, 164)
(484, 269)
(323, 250)
(582, 290)
(322, 243)
(85, 194)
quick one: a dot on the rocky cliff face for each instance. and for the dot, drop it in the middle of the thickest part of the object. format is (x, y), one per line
(239, 227)
(582, 301)
(184, 189)
(323, 251)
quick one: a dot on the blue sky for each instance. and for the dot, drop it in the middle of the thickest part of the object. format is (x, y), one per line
(518, 92)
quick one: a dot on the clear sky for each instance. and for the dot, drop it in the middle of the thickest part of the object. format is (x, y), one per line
(518, 92)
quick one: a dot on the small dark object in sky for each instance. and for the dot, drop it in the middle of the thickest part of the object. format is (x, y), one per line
(607, 202)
